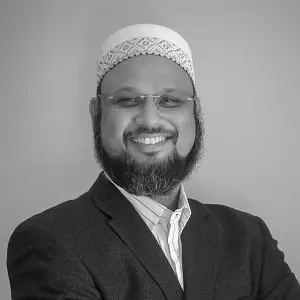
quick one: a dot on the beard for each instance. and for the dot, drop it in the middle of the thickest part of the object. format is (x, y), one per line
(155, 177)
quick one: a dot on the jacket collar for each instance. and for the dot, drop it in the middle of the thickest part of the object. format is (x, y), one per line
(200, 242)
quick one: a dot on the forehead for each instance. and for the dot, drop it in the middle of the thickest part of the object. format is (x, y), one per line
(147, 73)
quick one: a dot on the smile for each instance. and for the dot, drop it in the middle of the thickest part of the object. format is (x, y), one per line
(148, 145)
(149, 141)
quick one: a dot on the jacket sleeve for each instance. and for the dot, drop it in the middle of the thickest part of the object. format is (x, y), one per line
(277, 282)
(41, 266)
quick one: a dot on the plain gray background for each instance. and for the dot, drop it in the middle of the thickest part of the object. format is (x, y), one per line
(246, 57)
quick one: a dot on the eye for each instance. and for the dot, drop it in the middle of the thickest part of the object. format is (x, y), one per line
(170, 100)
(127, 100)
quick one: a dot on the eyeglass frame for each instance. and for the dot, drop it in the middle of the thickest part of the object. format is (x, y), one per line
(154, 97)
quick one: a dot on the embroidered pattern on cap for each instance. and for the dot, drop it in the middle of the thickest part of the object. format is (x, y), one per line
(143, 46)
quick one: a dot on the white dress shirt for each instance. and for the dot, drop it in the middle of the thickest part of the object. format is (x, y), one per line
(165, 225)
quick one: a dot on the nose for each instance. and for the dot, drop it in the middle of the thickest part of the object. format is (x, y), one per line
(149, 114)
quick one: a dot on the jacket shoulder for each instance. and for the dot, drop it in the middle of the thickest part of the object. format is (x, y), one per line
(232, 219)
(67, 214)
(223, 211)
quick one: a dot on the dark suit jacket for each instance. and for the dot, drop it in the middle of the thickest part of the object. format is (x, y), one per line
(98, 247)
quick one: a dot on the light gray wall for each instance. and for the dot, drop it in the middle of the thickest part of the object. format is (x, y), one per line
(246, 56)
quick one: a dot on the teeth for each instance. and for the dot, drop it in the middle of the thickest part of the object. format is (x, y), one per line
(148, 141)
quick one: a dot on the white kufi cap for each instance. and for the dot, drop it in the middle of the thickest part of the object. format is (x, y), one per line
(142, 39)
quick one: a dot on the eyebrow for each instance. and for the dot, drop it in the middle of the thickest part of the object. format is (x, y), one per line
(133, 89)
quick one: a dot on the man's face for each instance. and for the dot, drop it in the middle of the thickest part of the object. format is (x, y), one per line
(141, 169)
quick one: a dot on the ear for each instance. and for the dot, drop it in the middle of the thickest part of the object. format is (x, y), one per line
(198, 105)
(93, 106)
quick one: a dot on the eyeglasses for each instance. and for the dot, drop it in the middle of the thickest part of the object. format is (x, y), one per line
(128, 101)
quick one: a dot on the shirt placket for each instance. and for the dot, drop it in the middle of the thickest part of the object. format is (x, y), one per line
(173, 241)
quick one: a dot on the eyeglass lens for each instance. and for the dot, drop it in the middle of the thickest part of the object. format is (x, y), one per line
(131, 102)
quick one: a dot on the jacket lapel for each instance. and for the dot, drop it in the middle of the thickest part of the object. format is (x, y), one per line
(201, 249)
(130, 227)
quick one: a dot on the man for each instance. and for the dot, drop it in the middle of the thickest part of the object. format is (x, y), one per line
(135, 234)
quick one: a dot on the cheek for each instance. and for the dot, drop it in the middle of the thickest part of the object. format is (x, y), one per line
(112, 131)
(186, 135)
